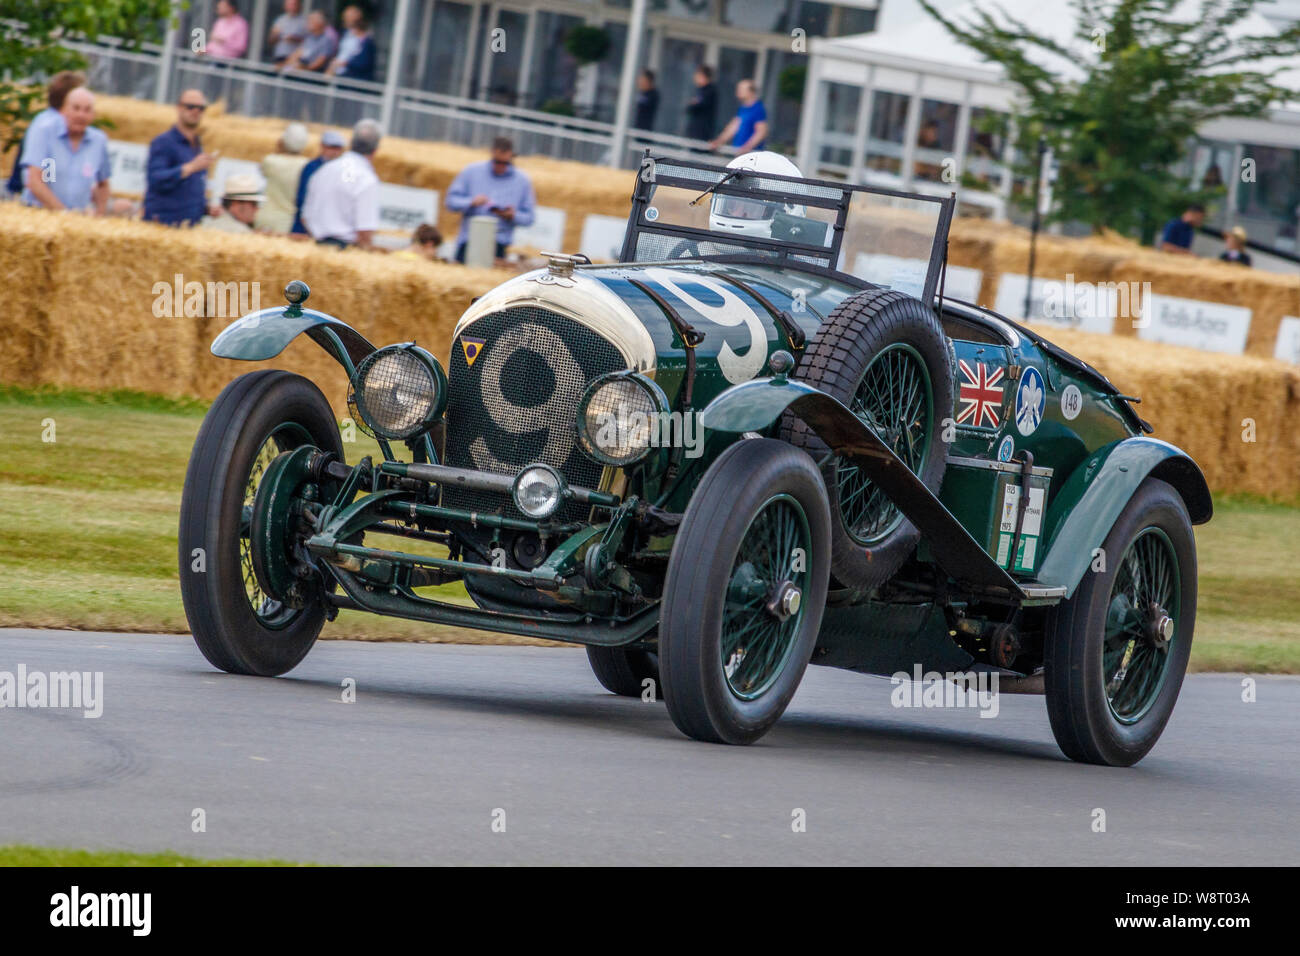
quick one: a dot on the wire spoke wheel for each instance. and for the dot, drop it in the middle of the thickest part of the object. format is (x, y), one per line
(270, 612)
(1141, 625)
(895, 400)
(764, 606)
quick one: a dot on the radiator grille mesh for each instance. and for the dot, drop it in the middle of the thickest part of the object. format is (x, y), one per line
(516, 377)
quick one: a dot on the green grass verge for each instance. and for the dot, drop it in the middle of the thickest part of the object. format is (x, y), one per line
(88, 535)
(42, 856)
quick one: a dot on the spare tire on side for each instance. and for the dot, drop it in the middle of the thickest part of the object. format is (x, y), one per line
(884, 355)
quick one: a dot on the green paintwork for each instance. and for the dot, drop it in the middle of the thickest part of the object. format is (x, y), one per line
(754, 406)
(264, 334)
(1086, 506)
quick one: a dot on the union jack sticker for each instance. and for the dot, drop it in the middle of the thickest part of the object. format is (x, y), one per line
(979, 396)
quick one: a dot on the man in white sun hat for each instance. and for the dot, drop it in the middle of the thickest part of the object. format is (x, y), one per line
(240, 197)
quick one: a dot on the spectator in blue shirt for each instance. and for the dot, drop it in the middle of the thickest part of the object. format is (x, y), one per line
(356, 57)
(61, 84)
(497, 188)
(176, 179)
(317, 48)
(747, 130)
(1180, 232)
(66, 163)
(331, 147)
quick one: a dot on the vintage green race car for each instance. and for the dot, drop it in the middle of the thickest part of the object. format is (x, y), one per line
(713, 462)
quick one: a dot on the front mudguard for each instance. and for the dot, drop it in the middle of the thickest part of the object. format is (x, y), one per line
(264, 334)
(1089, 503)
(755, 406)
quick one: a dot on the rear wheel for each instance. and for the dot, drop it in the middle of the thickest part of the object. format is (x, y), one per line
(625, 670)
(744, 594)
(236, 625)
(885, 356)
(1117, 650)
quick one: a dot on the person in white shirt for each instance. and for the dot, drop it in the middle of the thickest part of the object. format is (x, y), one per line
(342, 203)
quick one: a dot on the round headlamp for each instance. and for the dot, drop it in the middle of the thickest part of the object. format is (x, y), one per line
(538, 491)
(618, 418)
(399, 391)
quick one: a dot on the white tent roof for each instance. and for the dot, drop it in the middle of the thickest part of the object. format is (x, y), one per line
(909, 38)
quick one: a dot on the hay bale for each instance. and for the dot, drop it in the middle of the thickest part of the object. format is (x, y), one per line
(81, 295)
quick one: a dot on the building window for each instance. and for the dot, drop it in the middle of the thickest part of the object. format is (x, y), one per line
(444, 61)
(839, 124)
(936, 139)
(687, 9)
(985, 142)
(554, 71)
(885, 139)
(778, 16)
(855, 20)
(1270, 206)
(783, 112)
(503, 75)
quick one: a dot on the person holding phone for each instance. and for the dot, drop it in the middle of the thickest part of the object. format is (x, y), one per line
(497, 188)
(177, 172)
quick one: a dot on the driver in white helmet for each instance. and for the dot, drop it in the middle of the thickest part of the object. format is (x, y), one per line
(741, 216)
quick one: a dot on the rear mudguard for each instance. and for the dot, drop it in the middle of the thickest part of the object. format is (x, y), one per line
(1088, 504)
(755, 406)
(264, 334)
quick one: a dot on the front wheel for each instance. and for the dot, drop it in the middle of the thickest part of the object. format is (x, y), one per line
(745, 590)
(238, 627)
(1117, 650)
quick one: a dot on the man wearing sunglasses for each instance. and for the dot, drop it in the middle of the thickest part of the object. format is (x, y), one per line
(177, 175)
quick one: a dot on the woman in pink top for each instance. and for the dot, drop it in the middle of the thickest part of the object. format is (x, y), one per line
(229, 36)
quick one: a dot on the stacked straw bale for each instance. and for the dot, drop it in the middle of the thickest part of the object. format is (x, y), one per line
(80, 312)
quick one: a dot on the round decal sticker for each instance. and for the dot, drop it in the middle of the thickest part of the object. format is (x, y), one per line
(1031, 401)
(1071, 402)
(1006, 449)
(651, 213)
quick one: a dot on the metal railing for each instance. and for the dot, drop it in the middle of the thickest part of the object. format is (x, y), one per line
(258, 89)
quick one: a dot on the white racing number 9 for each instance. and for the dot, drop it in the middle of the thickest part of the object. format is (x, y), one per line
(732, 312)
(555, 414)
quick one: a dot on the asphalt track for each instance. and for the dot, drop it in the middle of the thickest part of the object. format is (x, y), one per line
(443, 740)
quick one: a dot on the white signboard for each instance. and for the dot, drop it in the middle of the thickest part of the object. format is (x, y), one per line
(402, 208)
(226, 168)
(1288, 340)
(1210, 326)
(546, 234)
(908, 275)
(602, 237)
(1087, 306)
(129, 164)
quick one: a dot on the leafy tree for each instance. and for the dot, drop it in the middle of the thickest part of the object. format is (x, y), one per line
(31, 45)
(1149, 80)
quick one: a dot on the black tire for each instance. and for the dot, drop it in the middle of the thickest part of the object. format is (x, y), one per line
(218, 607)
(624, 670)
(858, 330)
(748, 480)
(1085, 722)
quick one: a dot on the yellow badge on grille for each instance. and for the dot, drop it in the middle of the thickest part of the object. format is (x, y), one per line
(472, 349)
